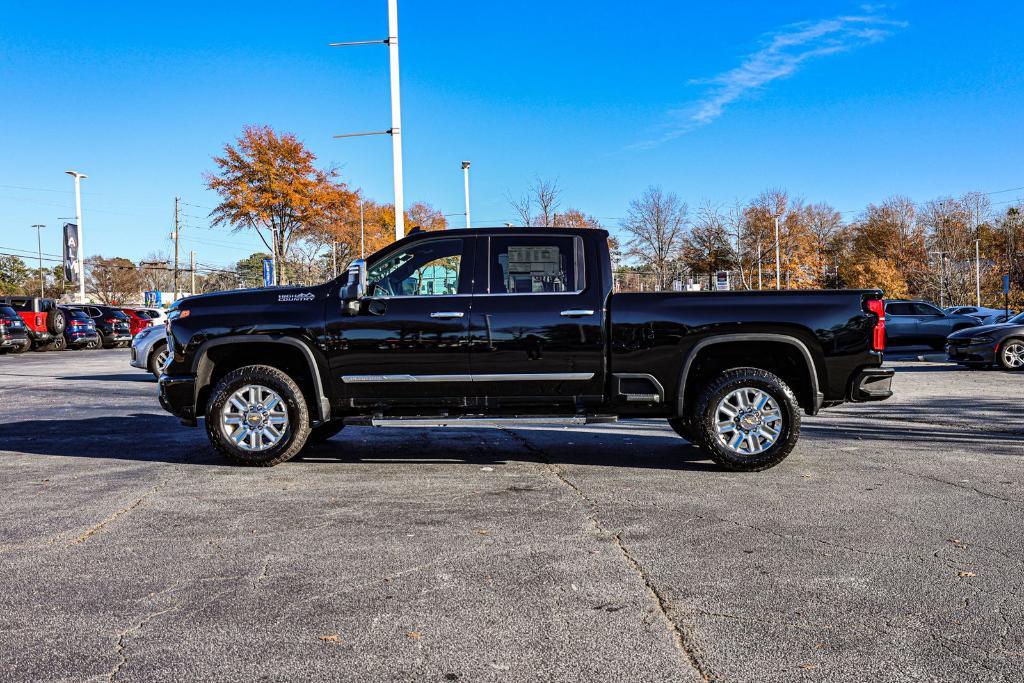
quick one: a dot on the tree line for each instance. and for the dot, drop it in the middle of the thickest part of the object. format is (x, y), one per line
(314, 224)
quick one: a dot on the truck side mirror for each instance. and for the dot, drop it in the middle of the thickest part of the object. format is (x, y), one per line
(354, 288)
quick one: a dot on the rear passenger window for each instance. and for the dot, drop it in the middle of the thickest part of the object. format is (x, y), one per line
(534, 265)
(898, 309)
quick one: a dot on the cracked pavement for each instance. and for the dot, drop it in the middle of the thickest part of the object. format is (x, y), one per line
(886, 548)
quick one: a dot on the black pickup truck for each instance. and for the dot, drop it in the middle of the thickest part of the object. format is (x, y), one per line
(515, 325)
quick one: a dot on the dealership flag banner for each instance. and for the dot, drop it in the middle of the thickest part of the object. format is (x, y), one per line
(71, 273)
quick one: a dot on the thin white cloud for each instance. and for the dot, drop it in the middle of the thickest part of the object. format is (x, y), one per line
(781, 53)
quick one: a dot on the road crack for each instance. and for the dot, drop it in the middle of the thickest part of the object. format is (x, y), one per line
(117, 514)
(682, 637)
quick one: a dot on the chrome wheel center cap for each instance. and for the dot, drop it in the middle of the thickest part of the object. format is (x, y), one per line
(749, 421)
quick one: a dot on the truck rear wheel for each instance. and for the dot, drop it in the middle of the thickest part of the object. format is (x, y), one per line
(257, 416)
(747, 419)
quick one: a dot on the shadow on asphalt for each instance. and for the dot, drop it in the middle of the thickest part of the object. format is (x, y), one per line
(140, 376)
(148, 437)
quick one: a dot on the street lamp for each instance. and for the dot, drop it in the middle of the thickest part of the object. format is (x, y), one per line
(778, 258)
(465, 176)
(39, 244)
(942, 277)
(78, 221)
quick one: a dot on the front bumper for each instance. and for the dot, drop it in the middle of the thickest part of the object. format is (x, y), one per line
(871, 384)
(177, 396)
(965, 352)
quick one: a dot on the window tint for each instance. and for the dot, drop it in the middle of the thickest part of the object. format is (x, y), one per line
(24, 305)
(532, 265)
(925, 309)
(428, 268)
(75, 313)
(46, 305)
(898, 309)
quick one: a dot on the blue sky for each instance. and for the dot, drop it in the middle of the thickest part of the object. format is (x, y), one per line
(835, 102)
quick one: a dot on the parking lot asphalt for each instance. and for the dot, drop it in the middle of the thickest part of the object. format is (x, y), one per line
(886, 548)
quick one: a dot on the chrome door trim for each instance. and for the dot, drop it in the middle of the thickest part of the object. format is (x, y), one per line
(445, 315)
(577, 312)
(510, 377)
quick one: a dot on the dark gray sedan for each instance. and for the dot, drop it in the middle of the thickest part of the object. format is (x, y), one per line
(919, 322)
(982, 346)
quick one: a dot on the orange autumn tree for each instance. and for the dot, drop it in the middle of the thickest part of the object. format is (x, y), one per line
(268, 183)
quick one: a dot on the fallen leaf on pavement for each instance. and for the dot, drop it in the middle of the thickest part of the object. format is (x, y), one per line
(333, 638)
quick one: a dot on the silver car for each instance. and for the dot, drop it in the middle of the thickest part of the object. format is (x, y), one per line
(149, 349)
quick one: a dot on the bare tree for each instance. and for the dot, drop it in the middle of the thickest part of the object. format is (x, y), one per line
(538, 207)
(156, 273)
(114, 280)
(707, 249)
(657, 222)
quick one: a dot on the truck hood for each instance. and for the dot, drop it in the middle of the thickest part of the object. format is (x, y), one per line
(262, 295)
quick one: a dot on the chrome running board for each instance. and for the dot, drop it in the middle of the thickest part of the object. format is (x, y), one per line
(510, 422)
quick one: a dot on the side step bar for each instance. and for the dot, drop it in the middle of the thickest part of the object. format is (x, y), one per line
(482, 421)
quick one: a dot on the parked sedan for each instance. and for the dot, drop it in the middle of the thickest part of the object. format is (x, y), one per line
(919, 322)
(13, 333)
(985, 345)
(111, 323)
(149, 349)
(158, 316)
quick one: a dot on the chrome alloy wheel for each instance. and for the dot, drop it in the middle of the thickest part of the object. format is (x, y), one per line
(255, 418)
(161, 358)
(748, 421)
(1013, 355)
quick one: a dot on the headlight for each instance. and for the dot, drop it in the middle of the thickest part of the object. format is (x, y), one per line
(144, 332)
(982, 340)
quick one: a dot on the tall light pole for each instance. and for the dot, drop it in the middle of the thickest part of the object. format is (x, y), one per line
(39, 244)
(396, 120)
(396, 113)
(78, 221)
(465, 177)
(362, 232)
(942, 277)
(778, 258)
(977, 270)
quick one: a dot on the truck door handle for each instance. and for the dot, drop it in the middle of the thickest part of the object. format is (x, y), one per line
(444, 315)
(576, 313)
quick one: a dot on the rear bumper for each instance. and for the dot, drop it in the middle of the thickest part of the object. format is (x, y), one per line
(76, 339)
(177, 396)
(15, 342)
(871, 384)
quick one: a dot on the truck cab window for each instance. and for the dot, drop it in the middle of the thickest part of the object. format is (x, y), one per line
(536, 265)
(428, 268)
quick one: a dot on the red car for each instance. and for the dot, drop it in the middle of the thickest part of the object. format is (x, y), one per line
(137, 320)
(44, 321)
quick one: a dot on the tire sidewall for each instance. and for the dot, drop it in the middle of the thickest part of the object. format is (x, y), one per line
(1002, 349)
(291, 395)
(706, 419)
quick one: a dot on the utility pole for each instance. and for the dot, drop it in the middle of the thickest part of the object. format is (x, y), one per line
(977, 271)
(277, 277)
(778, 258)
(39, 244)
(177, 226)
(942, 277)
(192, 268)
(78, 221)
(334, 259)
(396, 113)
(362, 232)
(465, 175)
(759, 264)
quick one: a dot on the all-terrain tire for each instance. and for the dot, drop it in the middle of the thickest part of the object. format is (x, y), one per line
(1010, 353)
(706, 419)
(55, 322)
(21, 349)
(295, 434)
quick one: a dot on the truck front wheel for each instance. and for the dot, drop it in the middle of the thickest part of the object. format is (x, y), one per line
(747, 419)
(257, 416)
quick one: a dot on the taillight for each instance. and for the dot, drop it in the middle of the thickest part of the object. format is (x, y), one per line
(877, 306)
(39, 321)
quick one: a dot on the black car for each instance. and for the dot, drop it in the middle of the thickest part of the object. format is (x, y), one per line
(112, 324)
(983, 346)
(13, 333)
(80, 332)
(919, 322)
